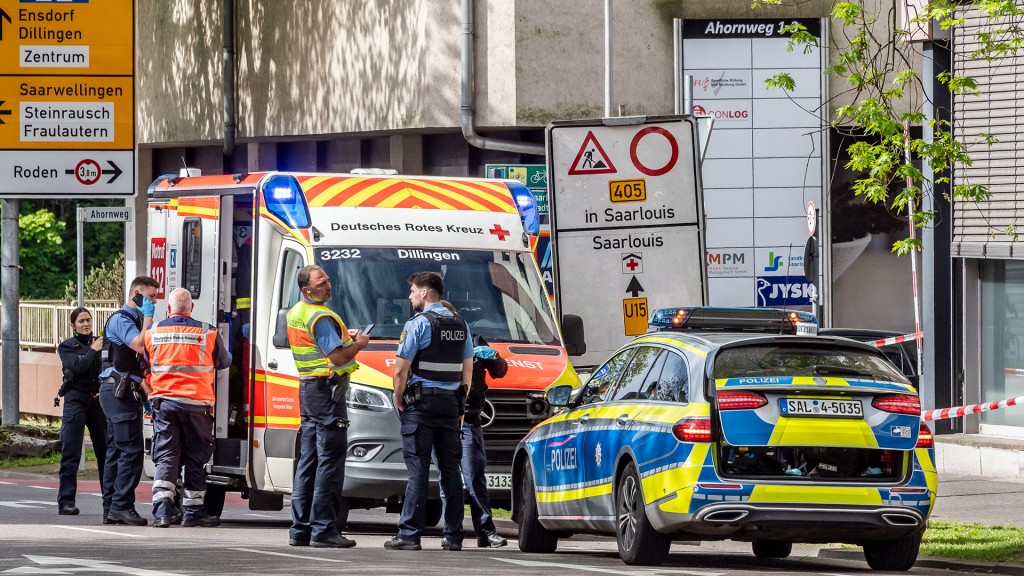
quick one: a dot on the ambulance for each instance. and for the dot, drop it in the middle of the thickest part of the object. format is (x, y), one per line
(237, 242)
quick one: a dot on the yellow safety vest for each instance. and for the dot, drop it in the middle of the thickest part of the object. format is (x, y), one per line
(310, 360)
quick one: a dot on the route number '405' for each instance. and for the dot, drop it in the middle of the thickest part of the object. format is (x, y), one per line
(339, 254)
(634, 190)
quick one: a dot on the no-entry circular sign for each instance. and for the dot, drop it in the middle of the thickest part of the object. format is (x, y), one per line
(673, 151)
(812, 219)
(87, 172)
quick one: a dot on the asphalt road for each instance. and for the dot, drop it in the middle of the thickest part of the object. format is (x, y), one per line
(35, 540)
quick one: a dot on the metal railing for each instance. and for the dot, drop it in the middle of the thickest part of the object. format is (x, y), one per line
(45, 325)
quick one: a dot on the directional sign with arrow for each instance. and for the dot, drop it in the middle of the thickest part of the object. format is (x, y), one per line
(634, 310)
(3, 16)
(3, 112)
(634, 287)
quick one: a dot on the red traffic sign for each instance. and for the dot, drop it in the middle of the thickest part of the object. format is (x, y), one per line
(812, 218)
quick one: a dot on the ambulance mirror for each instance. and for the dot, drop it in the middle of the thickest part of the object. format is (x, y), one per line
(281, 329)
(572, 333)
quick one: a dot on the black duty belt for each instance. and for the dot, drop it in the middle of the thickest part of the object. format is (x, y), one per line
(439, 391)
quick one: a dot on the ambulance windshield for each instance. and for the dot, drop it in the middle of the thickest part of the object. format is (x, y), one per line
(499, 294)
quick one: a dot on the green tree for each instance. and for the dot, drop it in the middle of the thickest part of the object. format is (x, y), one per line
(42, 254)
(877, 64)
(103, 282)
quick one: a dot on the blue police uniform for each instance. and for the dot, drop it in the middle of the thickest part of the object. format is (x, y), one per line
(320, 472)
(432, 424)
(123, 466)
(82, 409)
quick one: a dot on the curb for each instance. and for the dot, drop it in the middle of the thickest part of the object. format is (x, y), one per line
(932, 562)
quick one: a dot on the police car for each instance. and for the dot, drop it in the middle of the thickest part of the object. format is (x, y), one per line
(726, 424)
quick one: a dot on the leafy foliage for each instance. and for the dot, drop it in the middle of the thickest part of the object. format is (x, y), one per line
(104, 282)
(878, 69)
(41, 253)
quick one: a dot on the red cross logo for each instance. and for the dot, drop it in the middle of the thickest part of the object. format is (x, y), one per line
(632, 264)
(499, 232)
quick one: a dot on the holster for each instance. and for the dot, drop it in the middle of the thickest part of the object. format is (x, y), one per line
(413, 394)
(123, 383)
(462, 395)
(339, 387)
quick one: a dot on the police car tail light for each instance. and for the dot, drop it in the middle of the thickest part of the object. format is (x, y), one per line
(740, 400)
(924, 437)
(898, 404)
(692, 430)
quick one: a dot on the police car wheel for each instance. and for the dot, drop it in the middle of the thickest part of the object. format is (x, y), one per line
(639, 543)
(772, 548)
(895, 555)
(532, 536)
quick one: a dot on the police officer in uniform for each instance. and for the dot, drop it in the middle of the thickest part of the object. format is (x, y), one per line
(184, 355)
(324, 351)
(436, 349)
(123, 467)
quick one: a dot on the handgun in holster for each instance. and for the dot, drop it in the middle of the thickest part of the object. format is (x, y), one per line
(339, 387)
(413, 393)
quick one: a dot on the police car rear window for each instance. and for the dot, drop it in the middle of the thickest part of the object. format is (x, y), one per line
(803, 360)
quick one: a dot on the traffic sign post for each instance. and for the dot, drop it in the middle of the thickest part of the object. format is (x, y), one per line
(67, 99)
(626, 221)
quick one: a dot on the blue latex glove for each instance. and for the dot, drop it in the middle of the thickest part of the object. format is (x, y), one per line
(484, 352)
(245, 330)
(148, 308)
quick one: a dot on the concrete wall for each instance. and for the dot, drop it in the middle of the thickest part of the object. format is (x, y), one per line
(40, 376)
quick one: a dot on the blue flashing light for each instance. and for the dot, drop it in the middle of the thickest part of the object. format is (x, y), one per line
(527, 205)
(724, 318)
(284, 198)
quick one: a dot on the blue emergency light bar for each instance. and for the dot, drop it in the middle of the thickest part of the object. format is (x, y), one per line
(771, 320)
(283, 198)
(529, 213)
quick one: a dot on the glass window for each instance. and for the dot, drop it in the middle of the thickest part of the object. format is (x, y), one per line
(804, 360)
(671, 385)
(1002, 338)
(605, 377)
(646, 362)
(290, 293)
(192, 256)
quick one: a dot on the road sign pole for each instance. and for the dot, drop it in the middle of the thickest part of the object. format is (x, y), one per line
(11, 280)
(608, 105)
(80, 233)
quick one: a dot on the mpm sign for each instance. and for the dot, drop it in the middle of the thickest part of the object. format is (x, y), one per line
(725, 258)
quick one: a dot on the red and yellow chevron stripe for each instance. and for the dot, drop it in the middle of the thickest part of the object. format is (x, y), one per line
(373, 192)
(202, 206)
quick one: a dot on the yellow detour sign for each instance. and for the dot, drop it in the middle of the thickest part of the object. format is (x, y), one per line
(67, 93)
(634, 315)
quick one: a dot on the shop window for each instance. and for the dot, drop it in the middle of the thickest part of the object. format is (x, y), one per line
(1002, 338)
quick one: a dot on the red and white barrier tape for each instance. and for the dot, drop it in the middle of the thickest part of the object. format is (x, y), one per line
(897, 339)
(1014, 372)
(960, 411)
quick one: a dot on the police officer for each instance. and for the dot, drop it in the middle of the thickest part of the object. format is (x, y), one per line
(324, 351)
(436, 348)
(184, 355)
(80, 357)
(123, 467)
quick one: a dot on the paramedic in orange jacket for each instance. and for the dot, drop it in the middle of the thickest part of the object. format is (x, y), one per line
(184, 355)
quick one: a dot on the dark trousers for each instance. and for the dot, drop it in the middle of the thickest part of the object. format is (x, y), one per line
(474, 462)
(432, 425)
(123, 467)
(320, 474)
(182, 434)
(81, 410)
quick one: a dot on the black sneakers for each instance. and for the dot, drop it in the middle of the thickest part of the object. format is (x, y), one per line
(129, 516)
(397, 543)
(162, 522)
(68, 510)
(338, 541)
(491, 541)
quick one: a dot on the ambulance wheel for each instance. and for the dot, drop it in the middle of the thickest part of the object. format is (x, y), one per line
(214, 499)
(435, 508)
(772, 548)
(639, 543)
(532, 536)
(895, 555)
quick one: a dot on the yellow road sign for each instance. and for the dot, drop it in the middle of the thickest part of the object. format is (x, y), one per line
(94, 37)
(634, 315)
(633, 190)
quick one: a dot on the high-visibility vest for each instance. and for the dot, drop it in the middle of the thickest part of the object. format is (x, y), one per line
(181, 360)
(310, 360)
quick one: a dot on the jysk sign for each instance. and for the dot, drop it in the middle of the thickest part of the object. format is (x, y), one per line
(67, 98)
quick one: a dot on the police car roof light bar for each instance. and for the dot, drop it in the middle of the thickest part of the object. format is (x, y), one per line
(769, 320)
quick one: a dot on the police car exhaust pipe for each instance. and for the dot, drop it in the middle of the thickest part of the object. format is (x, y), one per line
(901, 519)
(726, 516)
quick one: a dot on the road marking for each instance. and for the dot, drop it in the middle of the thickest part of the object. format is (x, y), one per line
(264, 515)
(81, 565)
(254, 551)
(650, 572)
(98, 531)
(42, 487)
(11, 483)
(26, 504)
